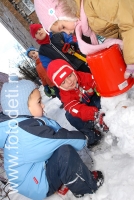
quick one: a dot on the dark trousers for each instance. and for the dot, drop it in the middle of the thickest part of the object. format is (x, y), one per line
(75, 121)
(84, 68)
(57, 91)
(95, 101)
(66, 167)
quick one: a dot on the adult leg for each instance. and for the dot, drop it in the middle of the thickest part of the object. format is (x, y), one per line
(66, 167)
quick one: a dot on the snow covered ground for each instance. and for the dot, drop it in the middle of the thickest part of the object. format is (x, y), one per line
(115, 158)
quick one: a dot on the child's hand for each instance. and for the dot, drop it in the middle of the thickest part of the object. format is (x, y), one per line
(129, 71)
(99, 123)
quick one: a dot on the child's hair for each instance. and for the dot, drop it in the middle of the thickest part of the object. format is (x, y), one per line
(50, 11)
(14, 97)
(69, 8)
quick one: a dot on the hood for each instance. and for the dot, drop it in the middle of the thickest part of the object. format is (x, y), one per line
(8, 125)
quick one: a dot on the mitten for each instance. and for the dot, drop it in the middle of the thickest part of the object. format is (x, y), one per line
(47, 89)
(129, 71)
(99, 123)
(52, 91)
(93, 136)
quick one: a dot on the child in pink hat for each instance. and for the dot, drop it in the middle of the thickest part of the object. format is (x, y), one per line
(76, 92)
(91, 17)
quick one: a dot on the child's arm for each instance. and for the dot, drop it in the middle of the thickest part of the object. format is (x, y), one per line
(68, 38)
(86, 80)
(77, 109)
(38, 134)
(81, 110)
(44, 60)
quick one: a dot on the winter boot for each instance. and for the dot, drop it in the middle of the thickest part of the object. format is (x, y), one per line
(78, 195)
(98, 176)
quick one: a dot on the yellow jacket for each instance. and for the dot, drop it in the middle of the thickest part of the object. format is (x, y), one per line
(113, 19)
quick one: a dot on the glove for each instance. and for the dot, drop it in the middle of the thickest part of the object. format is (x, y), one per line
(93, 136)
(47, 89)
(99, 123)
(97, 139)
(52, 91)
(129, 71)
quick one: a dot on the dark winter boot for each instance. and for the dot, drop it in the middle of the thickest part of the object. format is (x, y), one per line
(98, 176)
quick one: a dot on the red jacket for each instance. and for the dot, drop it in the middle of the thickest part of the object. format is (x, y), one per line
(71, 98)
(43, 74)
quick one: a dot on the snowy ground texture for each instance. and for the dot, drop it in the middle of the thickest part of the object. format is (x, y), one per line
(114, 157)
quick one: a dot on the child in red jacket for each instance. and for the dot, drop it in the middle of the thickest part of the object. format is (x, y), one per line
(77, 93)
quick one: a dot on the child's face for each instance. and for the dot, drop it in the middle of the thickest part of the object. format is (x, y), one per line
(70, 82)
(63, 26)
(34, 104)
(34, 55)
(40, 34)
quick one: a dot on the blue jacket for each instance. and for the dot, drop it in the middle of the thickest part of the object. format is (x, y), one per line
(28, 143)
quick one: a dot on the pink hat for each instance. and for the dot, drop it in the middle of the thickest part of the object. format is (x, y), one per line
(58, 70)
(49, 11)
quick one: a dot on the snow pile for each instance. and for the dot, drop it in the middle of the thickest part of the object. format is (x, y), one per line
(119, 117)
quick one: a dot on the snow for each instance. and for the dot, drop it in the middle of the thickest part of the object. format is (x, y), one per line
(115, 157)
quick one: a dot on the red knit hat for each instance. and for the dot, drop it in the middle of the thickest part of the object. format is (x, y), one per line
(58, 70)
(34, 28)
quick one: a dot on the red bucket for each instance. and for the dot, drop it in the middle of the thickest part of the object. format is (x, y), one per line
(108, 68)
